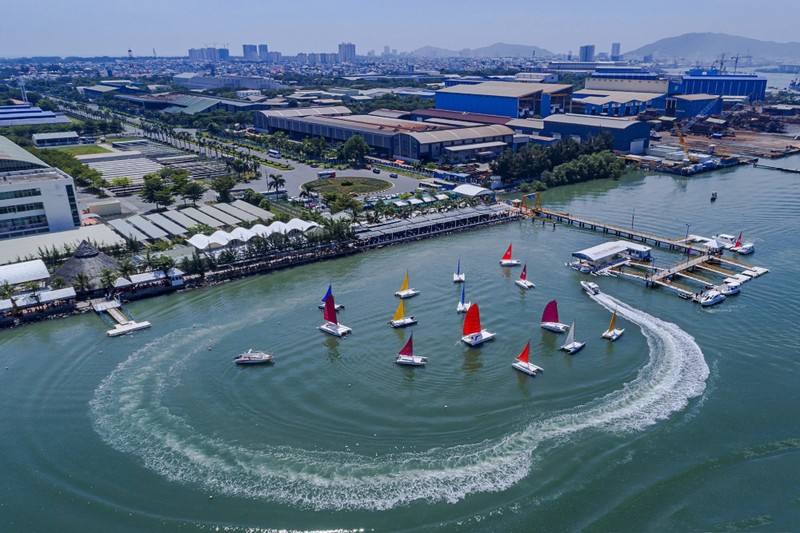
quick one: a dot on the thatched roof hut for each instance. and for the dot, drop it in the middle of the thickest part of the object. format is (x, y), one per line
(86, 260)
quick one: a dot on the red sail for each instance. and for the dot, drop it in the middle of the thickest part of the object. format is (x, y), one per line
(550, 312)
(330, 310)
(524, 275)
(523, 356)
(739, 240)
(472, 322)
(408, 349)
(507, 255)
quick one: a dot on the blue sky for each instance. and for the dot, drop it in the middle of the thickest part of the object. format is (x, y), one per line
(70, 27)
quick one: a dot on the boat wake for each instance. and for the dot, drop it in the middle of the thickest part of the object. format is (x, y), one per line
(131, 415)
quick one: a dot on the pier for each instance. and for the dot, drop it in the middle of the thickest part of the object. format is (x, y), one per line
(781, 169)
(122, 323)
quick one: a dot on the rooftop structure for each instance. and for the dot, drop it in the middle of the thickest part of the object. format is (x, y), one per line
(28, 115)
(43, 140)
(629, 135)
(509, 99)
(24, 272)
(13, 157)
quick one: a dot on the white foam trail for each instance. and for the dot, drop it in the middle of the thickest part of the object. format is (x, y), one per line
(130, 415)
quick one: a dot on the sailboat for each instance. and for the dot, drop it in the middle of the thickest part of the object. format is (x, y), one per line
(523, 364)
(550, 318)
(400, 320)
(458, 276)
(507, 261)
(572, 346)
(744, 249)
(463, 306)
(404, 291)
(322, 302)
(612, 333)
(523, 279)
(472, 331)
(331, 325)
(406, 355)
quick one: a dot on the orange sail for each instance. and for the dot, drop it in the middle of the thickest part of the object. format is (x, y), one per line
(472, 322)
(524, 275)
(330, 310)
(408, 349)
(507, 255)
(523, 356)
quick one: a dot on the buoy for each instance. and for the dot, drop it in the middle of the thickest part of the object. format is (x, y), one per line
(445, 406)
(211, 497)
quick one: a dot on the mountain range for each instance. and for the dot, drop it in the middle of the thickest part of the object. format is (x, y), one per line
(707, 47)
(493, 50)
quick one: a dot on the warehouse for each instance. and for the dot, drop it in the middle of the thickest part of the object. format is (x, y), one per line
(453, 145)
(712, 81)
(615, 103)
(508, 99)
(630, 136)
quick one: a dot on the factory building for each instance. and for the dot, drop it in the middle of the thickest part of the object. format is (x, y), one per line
(629, 135)
(615, 103)
(28, 115)
(193, 80)
(509, 99)
(453, 145)
(714, 81)
(34, 198)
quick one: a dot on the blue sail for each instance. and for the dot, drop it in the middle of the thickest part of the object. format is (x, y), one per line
(327, 294)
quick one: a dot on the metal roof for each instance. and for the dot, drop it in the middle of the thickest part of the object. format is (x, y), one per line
(591, 120)
(601, 97)
(475, 146)
(307, 111)
(10, 151)
(253, 210)
(506, 89)
(461, 134)
(23, 272)
(698, 96)
(13, 250)
(471, 190)
(42, 297)
(57, 135)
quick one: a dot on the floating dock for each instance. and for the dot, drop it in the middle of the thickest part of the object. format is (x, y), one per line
(781, 169)
(122, 323)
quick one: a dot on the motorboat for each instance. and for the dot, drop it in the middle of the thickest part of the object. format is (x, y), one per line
(507, 260)
(744, 249)
(571, 346)
(581, 266)
(590, 287)
(523, 280)
(550, 318)
(473, 333)
(405, 291)
(253, 358)
(729, 289)
(710, 297)
(523, 364)
(406, 355)
(400, 320)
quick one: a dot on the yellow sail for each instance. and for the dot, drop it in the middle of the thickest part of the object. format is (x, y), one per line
(613, 324)
(400, 313)
(404, 286)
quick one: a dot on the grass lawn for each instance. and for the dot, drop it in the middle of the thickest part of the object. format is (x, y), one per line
(352, 184)
(82, 149)
(110, 140)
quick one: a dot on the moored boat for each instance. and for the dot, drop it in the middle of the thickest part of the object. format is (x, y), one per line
(523, 280)
(729, 289)
(253, 358)
(507, 260)
(523, 364)
(710, 297)
(405, 291)
(572, 346)
(550, 318)
(473, 333)
(406, 355)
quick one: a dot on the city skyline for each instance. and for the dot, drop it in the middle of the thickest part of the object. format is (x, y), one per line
(172, 28)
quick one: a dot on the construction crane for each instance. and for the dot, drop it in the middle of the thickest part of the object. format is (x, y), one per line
(22, 90)
(691, 158)
(130, 53)
(154, 53)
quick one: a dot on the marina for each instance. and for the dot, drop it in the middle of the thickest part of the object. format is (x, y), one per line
(112, 311)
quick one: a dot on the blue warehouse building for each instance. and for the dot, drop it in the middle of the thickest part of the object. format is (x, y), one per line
(712, 81)
(508, 99)
(629, 135)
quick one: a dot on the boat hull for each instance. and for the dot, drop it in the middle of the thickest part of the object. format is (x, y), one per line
(463, 308)
(408, 293)
(253, 358)
(590, 287)
(411, 360)
(403, 322)
(510, 262)
(528, 368)
(474, 339)
(459, 278)
(337, 330)
(556, 327)
(613, 335)
(524, 284)
(338, 307)
(573, 347)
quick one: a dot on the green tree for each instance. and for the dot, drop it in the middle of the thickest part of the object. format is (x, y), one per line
(355, 149)
(223, 186)
(193, 191)
(276, 181)
(155, 191)
(81, 283)
(107, 278)
(122, 182)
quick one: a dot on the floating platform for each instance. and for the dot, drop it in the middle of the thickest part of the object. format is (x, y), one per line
(122, 323)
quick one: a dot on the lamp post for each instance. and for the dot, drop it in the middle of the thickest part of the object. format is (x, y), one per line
(688, 249)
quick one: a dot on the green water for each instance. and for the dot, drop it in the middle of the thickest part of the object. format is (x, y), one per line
(688, 422)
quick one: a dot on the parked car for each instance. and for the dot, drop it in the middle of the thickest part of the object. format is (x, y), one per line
(392, 175)
(376, 170)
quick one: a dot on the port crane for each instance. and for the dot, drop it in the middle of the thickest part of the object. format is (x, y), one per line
(691, 158)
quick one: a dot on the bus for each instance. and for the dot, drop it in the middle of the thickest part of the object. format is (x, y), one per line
(326, 174)
(274, 153)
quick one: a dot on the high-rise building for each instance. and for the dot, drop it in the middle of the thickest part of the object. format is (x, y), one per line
(615, 55)
(263, 52)
(387, 50)
(250, 52)
(347, 53)
(586, 53)
(223, 54)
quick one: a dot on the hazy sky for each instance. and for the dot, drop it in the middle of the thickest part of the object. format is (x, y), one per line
(110, 27)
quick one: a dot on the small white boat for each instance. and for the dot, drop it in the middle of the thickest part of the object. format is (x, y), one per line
(523, 364)
(253, 358)
(406, 355)
(507, 260)
(400, 320)
(612, 333)
(725, 240)
(458, 276)
(331, 325)
(710, 297)
(473, 333)
(463, 306)
(729, 289)
(523, 280)
(322, 302)
(404, 291)
(550, 318)
(744, 249)
(590, 287)
(581, 266)
(572, 346)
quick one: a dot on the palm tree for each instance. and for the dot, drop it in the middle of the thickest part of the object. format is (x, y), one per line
(276, 181)
(81, 283)
(6, 290)
(126, 269)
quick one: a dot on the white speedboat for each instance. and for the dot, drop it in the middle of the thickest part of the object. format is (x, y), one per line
(473, 333)
(744, 249)
(725, 240)
(253, 358)
(523, 364)
(710, 297)
(406, 355)
(590, 287)
(550, 318)
(507, 260)
(400, 320)
(571, 346)
(523, 280)
(405, 291)
(729, 289)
